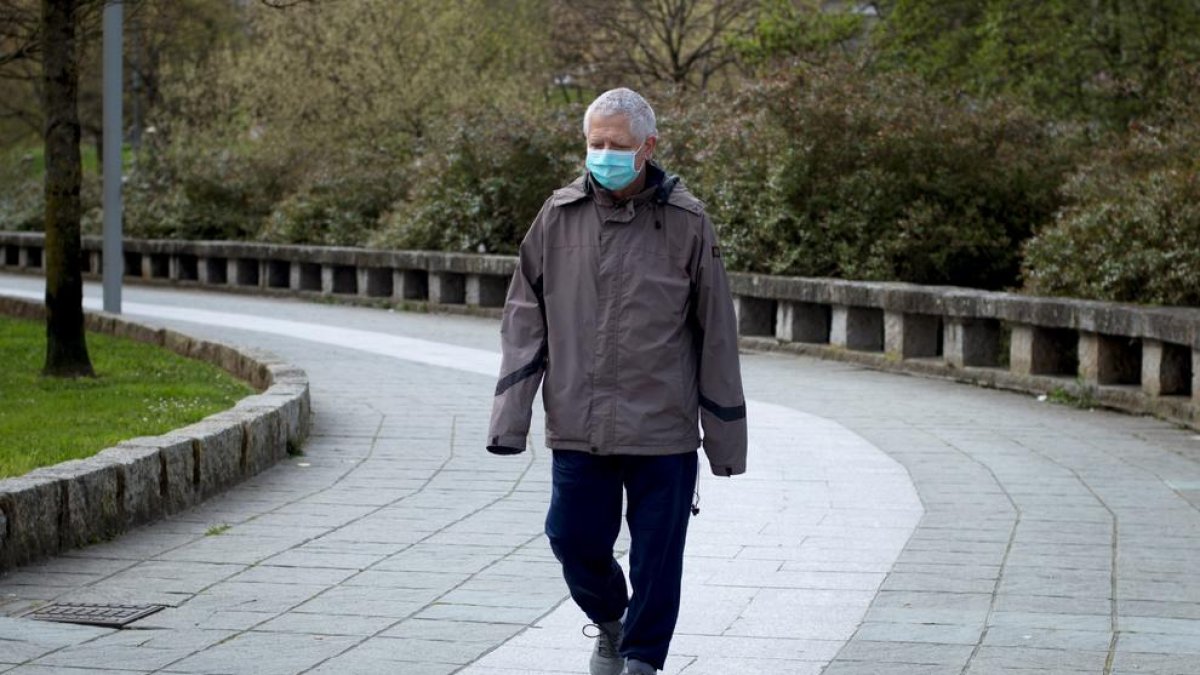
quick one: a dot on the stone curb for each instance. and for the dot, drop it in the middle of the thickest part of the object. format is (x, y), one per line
(78, 502)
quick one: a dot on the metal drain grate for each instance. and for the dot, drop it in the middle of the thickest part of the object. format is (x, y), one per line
(114, 616)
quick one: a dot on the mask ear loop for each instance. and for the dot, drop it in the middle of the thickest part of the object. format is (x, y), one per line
(645, 160)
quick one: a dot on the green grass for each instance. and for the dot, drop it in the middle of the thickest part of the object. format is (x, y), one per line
(139, 390)
(31, 159)
(1082, 397)
(217, 530)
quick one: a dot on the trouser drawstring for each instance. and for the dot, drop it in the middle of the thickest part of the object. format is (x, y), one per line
(696, 496)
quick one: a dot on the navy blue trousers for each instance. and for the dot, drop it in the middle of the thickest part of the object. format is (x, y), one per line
(584, 521)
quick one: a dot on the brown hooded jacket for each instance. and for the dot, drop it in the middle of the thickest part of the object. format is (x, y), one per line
(624, 309)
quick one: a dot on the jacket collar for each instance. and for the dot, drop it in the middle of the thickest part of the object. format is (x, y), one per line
(667, 189)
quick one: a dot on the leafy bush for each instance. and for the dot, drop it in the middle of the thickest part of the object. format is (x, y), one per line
(202, 190)
(1131, 232)
(486, 182)
(213, 182)
(339, 206)
(829, 171)
(1130, 240)
(21, 196)
(22, 192)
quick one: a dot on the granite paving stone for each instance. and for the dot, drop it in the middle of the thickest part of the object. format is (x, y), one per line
(951, 633)
(255, 653)
(453, 631)
(906, 652)
(844, 667)
(1048, 638)
(1127, 662)
(136, 649)
(1050, 660)
(196, 616)
(370, 662)
(25, 640)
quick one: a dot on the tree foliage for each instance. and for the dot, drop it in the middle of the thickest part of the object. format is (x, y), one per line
(918, 140)
(1105, 60)
(306, 129)
(791, 30)
(380, 72)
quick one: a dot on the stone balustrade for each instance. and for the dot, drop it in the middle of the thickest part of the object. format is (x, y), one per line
(1142, 359)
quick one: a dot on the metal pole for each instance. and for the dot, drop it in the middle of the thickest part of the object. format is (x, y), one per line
(114, 259)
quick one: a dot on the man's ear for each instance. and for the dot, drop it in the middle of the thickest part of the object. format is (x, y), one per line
(651, 144)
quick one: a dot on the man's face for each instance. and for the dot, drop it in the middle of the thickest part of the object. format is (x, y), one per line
(612, 132)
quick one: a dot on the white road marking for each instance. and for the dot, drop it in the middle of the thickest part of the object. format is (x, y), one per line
(408, 349)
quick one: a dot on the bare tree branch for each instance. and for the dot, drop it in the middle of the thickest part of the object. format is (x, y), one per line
(681, 42)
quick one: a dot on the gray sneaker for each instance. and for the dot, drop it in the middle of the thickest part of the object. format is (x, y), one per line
(606, 659)
(635, 667)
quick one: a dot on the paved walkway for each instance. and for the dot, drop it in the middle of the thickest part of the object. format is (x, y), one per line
(888, 525)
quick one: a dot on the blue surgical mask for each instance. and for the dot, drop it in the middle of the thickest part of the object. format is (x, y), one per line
(614, 169)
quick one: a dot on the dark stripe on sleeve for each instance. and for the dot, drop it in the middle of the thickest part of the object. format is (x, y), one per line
(539, 361)
(528, 370)
(723, 413)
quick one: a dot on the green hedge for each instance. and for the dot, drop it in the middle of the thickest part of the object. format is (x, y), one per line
(1131, 241)
(835, 172)
(1131, 230)
(490, 174)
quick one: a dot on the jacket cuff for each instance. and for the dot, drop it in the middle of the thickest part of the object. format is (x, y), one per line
(728, 469)
(506, 445)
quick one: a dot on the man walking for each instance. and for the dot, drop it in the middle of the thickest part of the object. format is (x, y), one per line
(621, 305)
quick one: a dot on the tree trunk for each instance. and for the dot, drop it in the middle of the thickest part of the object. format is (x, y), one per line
(66, 346)
(97, 144)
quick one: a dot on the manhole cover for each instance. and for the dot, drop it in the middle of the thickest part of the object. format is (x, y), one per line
(115, 616)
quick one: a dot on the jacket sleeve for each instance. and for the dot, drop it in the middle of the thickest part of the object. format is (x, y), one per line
(524, 349)
(722, 403)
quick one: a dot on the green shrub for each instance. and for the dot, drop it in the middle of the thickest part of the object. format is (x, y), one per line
(486, 180)
(203, 190)
(1133, 240)
(1131, 229)
(830, 171)
(340, 206)
(22, 192)
(21, 196)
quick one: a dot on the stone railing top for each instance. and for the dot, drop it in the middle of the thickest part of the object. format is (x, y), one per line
(1178, 325)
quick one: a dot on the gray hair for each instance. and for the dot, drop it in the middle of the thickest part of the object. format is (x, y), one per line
(625, 102)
